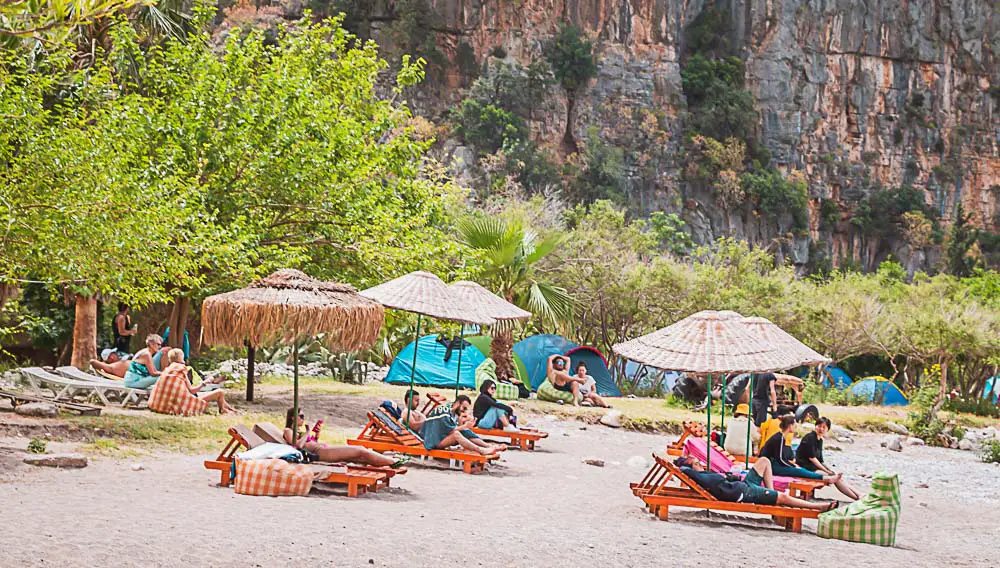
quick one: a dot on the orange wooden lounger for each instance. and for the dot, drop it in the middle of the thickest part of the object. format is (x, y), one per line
(659, 497)
(691, 428)
(384, 433)
(524, 438)
(358, 482)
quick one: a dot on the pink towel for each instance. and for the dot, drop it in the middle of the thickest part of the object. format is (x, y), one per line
(721, 464)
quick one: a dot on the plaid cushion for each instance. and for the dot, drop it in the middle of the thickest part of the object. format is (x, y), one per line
(172, 395)
(872, 520)
(272, 478)
(488, 370)
(546, 391)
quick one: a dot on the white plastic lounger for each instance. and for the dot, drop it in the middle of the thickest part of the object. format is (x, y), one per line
(65, 389)
(131, 395)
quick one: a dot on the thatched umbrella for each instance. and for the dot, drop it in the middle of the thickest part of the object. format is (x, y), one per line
(425, 295)
(488, 303)
(798, 353)
(287, 306)
(705, 343)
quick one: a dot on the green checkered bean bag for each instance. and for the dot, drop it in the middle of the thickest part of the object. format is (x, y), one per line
(872, 520)
(488, 370)
(550, 393)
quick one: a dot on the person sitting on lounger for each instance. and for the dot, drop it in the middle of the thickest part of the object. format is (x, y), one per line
(757, 487)
(409, 414)
(557, 373)
(489, 412)
(809, 455)
(588, 388)
(442, 431)
(142, 372)
(781, 464)
(173, 394)
(334, 454)
(459, 411)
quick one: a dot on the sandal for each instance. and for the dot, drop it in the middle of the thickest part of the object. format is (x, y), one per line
(832, 506)
(400, 462)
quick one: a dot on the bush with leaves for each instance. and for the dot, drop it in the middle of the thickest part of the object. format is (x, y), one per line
(989, 451)
(777, 196)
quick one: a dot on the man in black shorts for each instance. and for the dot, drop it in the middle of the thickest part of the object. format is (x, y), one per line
(764, 397)
(757, 487)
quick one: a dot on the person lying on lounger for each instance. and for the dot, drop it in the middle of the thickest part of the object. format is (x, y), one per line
(774, 449)
(557, 372)
(410, 415)
(335, 454)
(588, 389)
(809, 455)
(491, 413)
(757, 487)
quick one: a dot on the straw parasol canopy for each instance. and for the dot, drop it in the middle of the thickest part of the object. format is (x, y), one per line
(704, 343)
(288, 305)
(488, 303)
(797, 353)
(426, 294)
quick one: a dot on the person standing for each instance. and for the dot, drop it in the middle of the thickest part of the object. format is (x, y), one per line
(122, 329)
(764, 397)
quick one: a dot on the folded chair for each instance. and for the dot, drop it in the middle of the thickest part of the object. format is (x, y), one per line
(723, 462)
(384, 433)
(660, 497)
(134, 396)
(67, 389)
(524, 438)
(358, 482)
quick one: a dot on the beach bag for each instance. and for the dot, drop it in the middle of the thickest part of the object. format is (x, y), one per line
(550, 393)
(871, 520)
(272, 478)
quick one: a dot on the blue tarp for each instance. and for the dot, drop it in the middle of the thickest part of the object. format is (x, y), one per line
(534, 351)
(431, 368)
(841, 380)
(879, 390)
(596, 367)
(992, 385)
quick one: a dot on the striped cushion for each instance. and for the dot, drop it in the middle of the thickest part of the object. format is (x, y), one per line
(871, 520)
(272, 478)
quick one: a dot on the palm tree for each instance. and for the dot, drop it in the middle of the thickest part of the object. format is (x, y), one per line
(510, 253)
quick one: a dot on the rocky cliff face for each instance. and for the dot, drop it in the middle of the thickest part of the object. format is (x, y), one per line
(853, 94)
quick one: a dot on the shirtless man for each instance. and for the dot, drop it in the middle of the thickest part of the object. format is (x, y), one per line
(557, 371)
(443, 431)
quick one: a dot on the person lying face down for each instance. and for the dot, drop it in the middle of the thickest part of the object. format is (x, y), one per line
(757, 487)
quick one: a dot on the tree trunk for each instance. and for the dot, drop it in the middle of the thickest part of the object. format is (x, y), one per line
(943, 392)
(502, 353)
(178, 321)
(84, 332)
(569, 141)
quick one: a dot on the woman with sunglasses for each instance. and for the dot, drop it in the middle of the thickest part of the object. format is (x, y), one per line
(328, 453)
(142, 372)
(490, 413)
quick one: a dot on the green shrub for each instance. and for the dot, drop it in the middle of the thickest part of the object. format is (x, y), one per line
(989, 451)
(602, 175)
(977, 406)
(36, 446)
(488, 128)
(776, 196)
(571, 56)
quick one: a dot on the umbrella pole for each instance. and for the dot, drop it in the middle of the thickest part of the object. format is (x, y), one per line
(461, 347)
(251, 352)
(413, 371)
(295, 383)
(708, 431)
(750, 421)
(722, 427)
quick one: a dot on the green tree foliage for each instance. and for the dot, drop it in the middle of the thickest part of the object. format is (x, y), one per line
(571, 57)
(55, 20)
(669, 231)
(488, 128)
(601, 174)
(777, 196)
(961, 250)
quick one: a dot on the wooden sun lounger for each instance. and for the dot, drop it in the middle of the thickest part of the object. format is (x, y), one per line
(691, 428)
(524, 438)
(384, 433)
(18, 399)
(134, 396)
(660, 497)
(66, 389)
(358, 481)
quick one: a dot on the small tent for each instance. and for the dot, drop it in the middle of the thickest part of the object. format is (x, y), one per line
(535, 351)
(597, 367)
(879, 390)
(434, 371)
(992, 387)
(839, 378)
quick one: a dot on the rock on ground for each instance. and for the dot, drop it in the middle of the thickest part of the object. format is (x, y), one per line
(916, 442)
(897, 428)
(38, 410)
(966, 444)
(638, 462)
(594, 462)
(895, 444)
(57, 460)
(613, 418)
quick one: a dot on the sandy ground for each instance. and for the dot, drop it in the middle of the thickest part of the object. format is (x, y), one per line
(543, 508)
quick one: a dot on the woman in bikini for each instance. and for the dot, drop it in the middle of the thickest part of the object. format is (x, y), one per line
(328, 453)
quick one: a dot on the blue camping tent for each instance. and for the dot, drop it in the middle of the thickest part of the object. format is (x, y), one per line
(597, 367)
(841, 380)
(534, 351)
(992, 386)
(879, 390)
(648, 376)
(432, 370)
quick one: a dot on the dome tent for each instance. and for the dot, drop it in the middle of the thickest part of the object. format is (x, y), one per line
(841, 380)
(433, 371)
(879, 390)
(535, 352)
(597, 367)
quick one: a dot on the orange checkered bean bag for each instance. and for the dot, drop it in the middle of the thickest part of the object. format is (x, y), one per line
(272, 478)
(172, 393)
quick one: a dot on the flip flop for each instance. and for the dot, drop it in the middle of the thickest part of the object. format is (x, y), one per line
(832, 506)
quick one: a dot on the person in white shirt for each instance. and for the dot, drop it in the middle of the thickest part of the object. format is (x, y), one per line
(736, 432)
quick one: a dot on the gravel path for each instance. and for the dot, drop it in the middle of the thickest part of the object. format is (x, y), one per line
(543, 508)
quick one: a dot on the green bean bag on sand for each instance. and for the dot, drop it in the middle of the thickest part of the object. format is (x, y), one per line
(488, 370)
(550, 393)
(872, 520)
